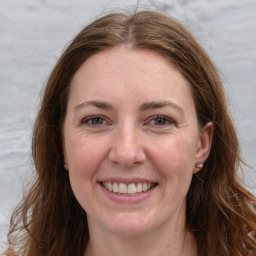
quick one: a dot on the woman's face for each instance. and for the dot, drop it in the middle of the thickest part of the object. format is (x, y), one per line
(131, 139)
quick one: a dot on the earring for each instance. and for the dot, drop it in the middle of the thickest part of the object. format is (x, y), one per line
(65, 165)
(199, 165)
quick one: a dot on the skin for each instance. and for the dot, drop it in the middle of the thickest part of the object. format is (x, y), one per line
(113, 130)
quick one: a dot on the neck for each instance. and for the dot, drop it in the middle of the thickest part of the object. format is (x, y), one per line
(171, 243)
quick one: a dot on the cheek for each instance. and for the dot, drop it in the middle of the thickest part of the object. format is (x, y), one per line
(174, 156)
(174, 159)
(84, 159)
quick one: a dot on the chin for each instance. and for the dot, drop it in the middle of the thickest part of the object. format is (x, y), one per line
(128, 231)
(129, 226)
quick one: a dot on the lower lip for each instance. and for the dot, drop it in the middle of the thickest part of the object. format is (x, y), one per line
(127, 199)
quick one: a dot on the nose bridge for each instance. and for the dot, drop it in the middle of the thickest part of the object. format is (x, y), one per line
(127, 138)
(127, 145)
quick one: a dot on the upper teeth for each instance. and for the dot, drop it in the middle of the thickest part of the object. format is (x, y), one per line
(131, 189)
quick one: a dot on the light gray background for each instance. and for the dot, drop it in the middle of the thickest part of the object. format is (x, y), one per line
(33, 34)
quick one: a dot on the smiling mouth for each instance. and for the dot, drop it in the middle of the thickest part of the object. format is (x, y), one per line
(131, 189)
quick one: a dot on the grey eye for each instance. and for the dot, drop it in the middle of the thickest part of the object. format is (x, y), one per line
(160, 120)
(94, 121)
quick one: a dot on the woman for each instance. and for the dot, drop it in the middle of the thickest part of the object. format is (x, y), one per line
(134, 150)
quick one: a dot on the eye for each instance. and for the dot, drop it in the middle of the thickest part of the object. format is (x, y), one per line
(160, 120)
(94, 121)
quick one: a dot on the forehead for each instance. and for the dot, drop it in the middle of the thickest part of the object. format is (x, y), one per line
(126, 60)
(132, 73)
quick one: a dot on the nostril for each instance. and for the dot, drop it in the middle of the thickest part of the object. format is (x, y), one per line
(126, 158)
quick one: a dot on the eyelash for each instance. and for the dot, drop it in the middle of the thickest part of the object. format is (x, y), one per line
(167, 120)
(89, 121)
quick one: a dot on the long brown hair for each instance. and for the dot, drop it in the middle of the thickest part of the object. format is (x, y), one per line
(50, 221)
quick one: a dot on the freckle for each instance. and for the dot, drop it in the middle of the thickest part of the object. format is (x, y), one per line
(140, 221)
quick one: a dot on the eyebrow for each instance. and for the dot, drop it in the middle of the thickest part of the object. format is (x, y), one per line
(95, 103)
(144, 107)
(157, 105)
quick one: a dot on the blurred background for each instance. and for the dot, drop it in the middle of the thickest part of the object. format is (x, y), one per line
(33, 33)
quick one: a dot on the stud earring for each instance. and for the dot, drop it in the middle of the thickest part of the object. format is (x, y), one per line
(199, 165)
(65, 165)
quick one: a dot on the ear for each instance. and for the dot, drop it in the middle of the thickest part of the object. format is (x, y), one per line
(64, 151)
(204, 144)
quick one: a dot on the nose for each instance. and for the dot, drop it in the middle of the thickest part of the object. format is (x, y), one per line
(127, 149)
